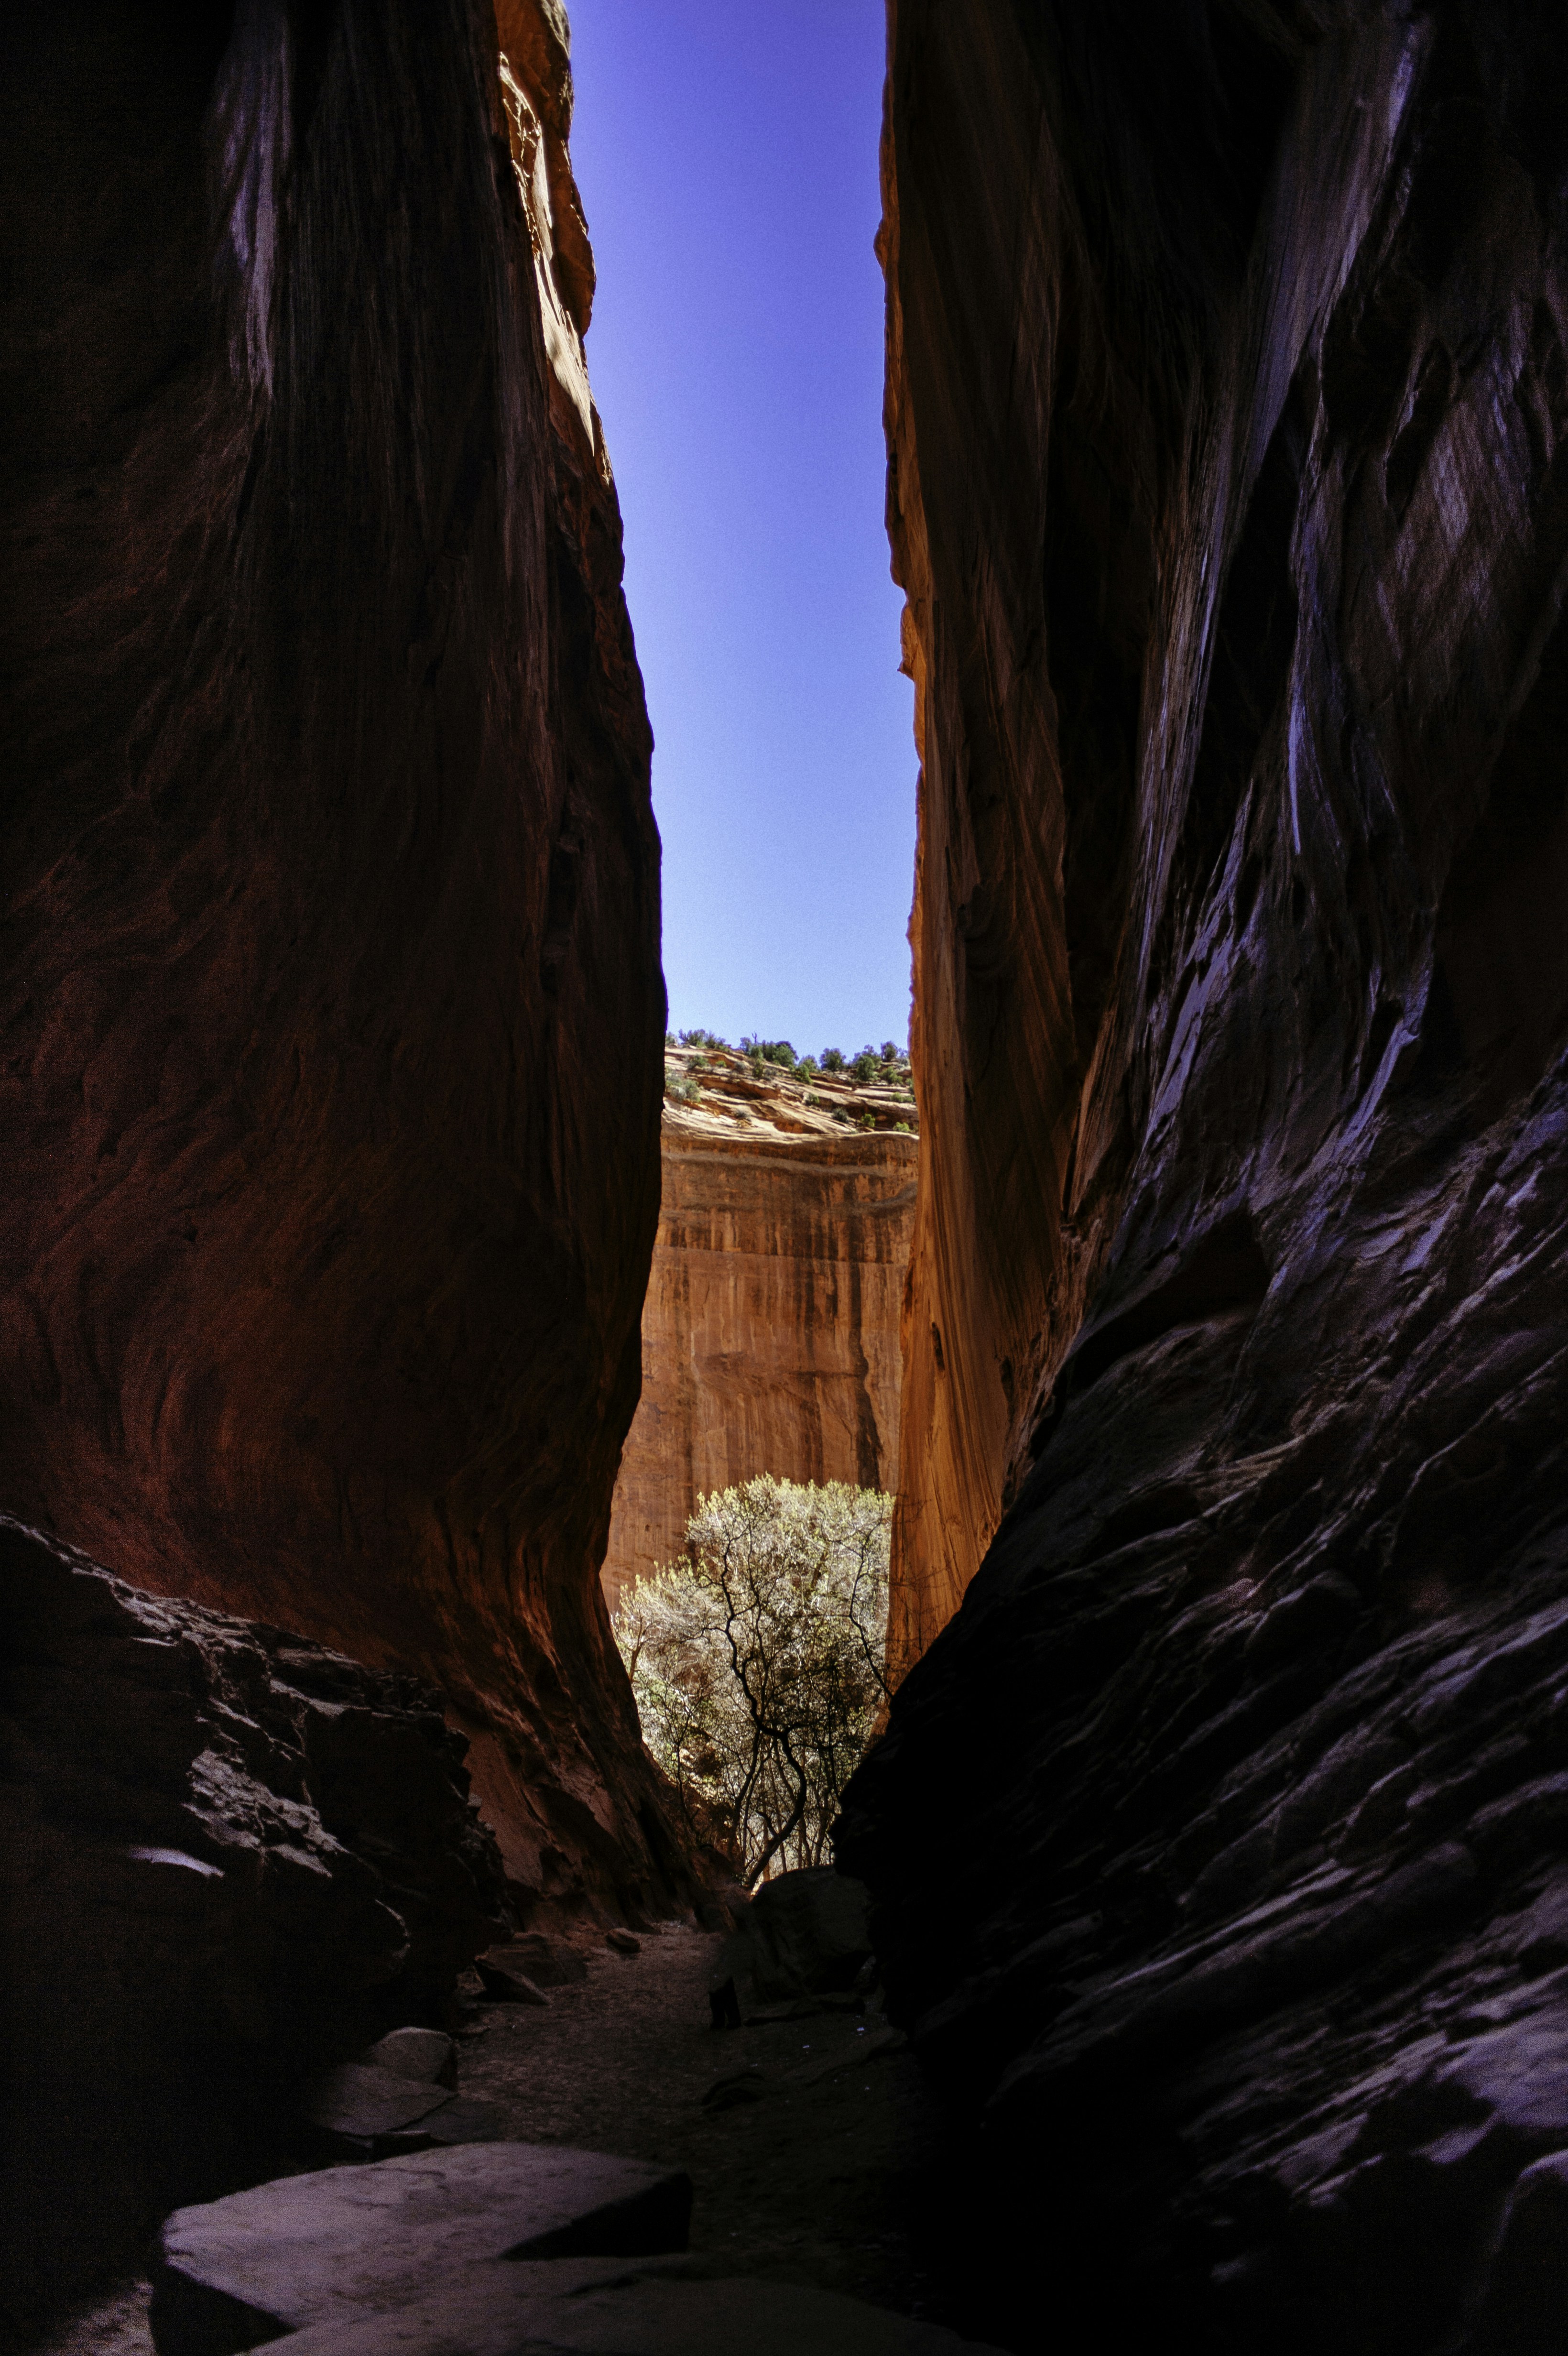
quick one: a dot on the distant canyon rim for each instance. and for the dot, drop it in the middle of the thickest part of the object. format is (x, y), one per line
(1209, 1320)
(771, 1328)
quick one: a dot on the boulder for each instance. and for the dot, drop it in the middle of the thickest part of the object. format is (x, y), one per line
(547, 1963)
(427, 2055)
(506, 1988)
(805, 1932)
(321, 2249)
(651, 2310)
(229, 1858)
(724, 2006)
(355, 2113)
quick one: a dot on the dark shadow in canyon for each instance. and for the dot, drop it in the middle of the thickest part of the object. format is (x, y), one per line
(1242, 1198)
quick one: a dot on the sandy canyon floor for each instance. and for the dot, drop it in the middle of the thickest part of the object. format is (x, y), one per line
(823, 2177)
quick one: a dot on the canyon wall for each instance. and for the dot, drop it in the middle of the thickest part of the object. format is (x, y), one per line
(771, 1329)
(1228, 425)
(330, 1003)
(227, 1857)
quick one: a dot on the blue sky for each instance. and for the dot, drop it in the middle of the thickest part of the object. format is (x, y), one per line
(725, 152)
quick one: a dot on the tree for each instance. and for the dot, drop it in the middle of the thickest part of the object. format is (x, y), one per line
(758, 1664)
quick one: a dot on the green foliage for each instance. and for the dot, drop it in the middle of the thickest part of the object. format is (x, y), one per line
(889, 1063)
(678, 1083)
(902, 1129)
(758, 1664)
(770, 1051)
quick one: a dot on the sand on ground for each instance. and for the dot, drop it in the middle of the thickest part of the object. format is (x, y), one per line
(821, 2178)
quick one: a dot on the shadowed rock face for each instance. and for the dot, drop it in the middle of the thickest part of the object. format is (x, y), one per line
(771, 1328)
(227, 1855)
(329, 989)
(1227, 404)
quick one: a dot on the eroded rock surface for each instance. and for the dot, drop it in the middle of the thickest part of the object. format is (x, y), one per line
(330, 1005)
(771, 1332)
(333, 2247)
(1227, 404)
(227, 1855)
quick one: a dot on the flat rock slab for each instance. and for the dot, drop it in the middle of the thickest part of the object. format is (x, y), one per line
(358, 2113)
(427, 2055)
(582, 2310)
(328, 2246)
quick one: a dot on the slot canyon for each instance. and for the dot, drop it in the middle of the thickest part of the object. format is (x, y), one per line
(1208, 1320)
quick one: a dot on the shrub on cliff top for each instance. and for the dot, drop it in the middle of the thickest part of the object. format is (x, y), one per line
(758, 1664)
(770, 1051)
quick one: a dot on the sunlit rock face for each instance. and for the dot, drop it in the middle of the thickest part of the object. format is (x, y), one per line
(1227, 404)
(770, 1339)
(330, 998)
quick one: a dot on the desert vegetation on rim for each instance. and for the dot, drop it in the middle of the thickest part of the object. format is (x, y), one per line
(764, 1078)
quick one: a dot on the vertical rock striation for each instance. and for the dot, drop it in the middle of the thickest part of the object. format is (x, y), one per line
(1228, 422)
(330, 1005)
(771, 1329)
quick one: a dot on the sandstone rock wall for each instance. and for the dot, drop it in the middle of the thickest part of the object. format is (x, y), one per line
(227, 1855)
(771, 1335)
(330, 1006)
(1228, 407)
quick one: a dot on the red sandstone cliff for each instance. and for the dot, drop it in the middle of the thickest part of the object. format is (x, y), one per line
(771, 1329)
(1228, 426)
(330, 1006)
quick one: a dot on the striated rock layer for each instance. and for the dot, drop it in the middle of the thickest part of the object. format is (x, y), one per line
(1228, 408)
(226, 1856)
(330, 1007)
(771, 1329)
